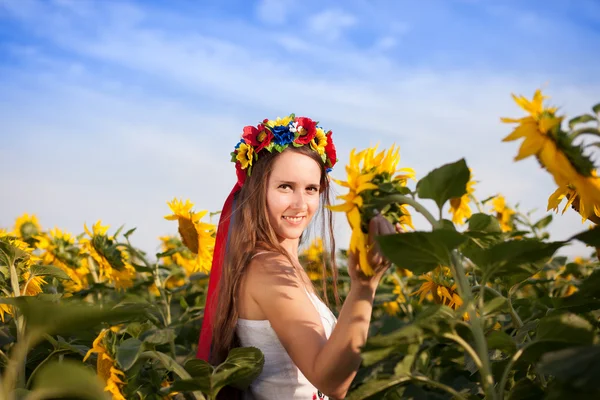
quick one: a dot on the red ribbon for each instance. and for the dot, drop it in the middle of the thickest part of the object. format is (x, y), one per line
(206, 333)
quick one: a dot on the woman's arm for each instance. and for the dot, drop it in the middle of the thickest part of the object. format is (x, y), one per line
(330, 365)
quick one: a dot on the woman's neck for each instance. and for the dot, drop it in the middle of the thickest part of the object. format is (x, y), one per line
(291, 246)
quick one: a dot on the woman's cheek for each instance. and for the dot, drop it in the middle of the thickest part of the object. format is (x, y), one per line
(313, 204)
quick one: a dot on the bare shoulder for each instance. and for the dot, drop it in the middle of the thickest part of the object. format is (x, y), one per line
(278, 289)
(270, 269)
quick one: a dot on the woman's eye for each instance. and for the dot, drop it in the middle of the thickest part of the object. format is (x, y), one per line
(284, 186)
(313, 189)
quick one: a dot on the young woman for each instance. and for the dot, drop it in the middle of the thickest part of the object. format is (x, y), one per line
(259, 295)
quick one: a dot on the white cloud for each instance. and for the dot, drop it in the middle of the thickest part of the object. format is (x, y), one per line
(330, 24)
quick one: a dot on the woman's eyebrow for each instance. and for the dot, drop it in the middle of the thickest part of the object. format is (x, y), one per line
(291, 183)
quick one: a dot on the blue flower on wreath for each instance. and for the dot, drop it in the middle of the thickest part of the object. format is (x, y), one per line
(282, 135)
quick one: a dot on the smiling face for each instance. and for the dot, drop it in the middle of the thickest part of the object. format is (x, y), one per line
(293, 193)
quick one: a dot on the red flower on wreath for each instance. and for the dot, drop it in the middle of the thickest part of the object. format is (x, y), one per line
(307, 128)
(258, 137)
(330, 150)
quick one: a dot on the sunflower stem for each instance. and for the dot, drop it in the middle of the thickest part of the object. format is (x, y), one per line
(14, 374)
(477, 203)
(20, 324)
(402, 199)
(465, 291)
(463, 343)
(506, 372)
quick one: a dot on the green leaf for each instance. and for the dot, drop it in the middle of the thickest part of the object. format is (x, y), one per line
(430, 321)
(496, 304)
(525, 390)
(590, 237)
(533, 351)
(375, 386)
(167, 253)
(446, 182)
(129, 232)
(596, 108)
(128, 352)
(581, 119)
(167, 362)
(156, 336)
(420, 252)
(565, 327)
(68, 379)
(576, 367)
(513, 258)
(501, 341)
(70, 316)
(242, 366)
(483, 222)
(49, 270)
(544, 222)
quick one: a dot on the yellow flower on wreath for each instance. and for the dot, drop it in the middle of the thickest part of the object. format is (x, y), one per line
(362, 169)
(197, 236)
(459, 206)
(106, 367)
(319, 142)
(538, 131)
(117, 270)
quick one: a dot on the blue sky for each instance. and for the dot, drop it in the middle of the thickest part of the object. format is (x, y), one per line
(110, 108)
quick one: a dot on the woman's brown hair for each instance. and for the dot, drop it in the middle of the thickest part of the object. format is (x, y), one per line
(251, 231)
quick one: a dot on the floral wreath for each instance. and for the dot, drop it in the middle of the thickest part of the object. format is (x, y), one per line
(277, 135)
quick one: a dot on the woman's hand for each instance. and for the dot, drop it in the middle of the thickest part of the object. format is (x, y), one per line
(379, 263)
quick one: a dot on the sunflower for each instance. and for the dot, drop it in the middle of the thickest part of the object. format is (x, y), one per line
(24, 259)
(459, 206)
(59, 249)
(556, 152)
(181, 257)
(197, 236)
(314, 252)
(32, 285)
(106, 367)
(312, 259)
(391, 308)
(504, 214)
(438, 284)
(563, 281)
(371, 175)
(26, 227)
(113, 263)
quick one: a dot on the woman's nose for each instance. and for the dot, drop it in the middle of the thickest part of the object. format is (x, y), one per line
(299, 201)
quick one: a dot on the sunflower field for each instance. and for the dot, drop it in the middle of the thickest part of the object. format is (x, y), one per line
(479, 306)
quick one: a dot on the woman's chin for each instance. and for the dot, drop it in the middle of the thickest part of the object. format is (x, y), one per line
(290, 234)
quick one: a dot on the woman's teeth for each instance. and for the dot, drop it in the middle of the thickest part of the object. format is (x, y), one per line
(293, 219)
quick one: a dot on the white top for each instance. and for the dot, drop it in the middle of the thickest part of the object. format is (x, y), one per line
(280, 377)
